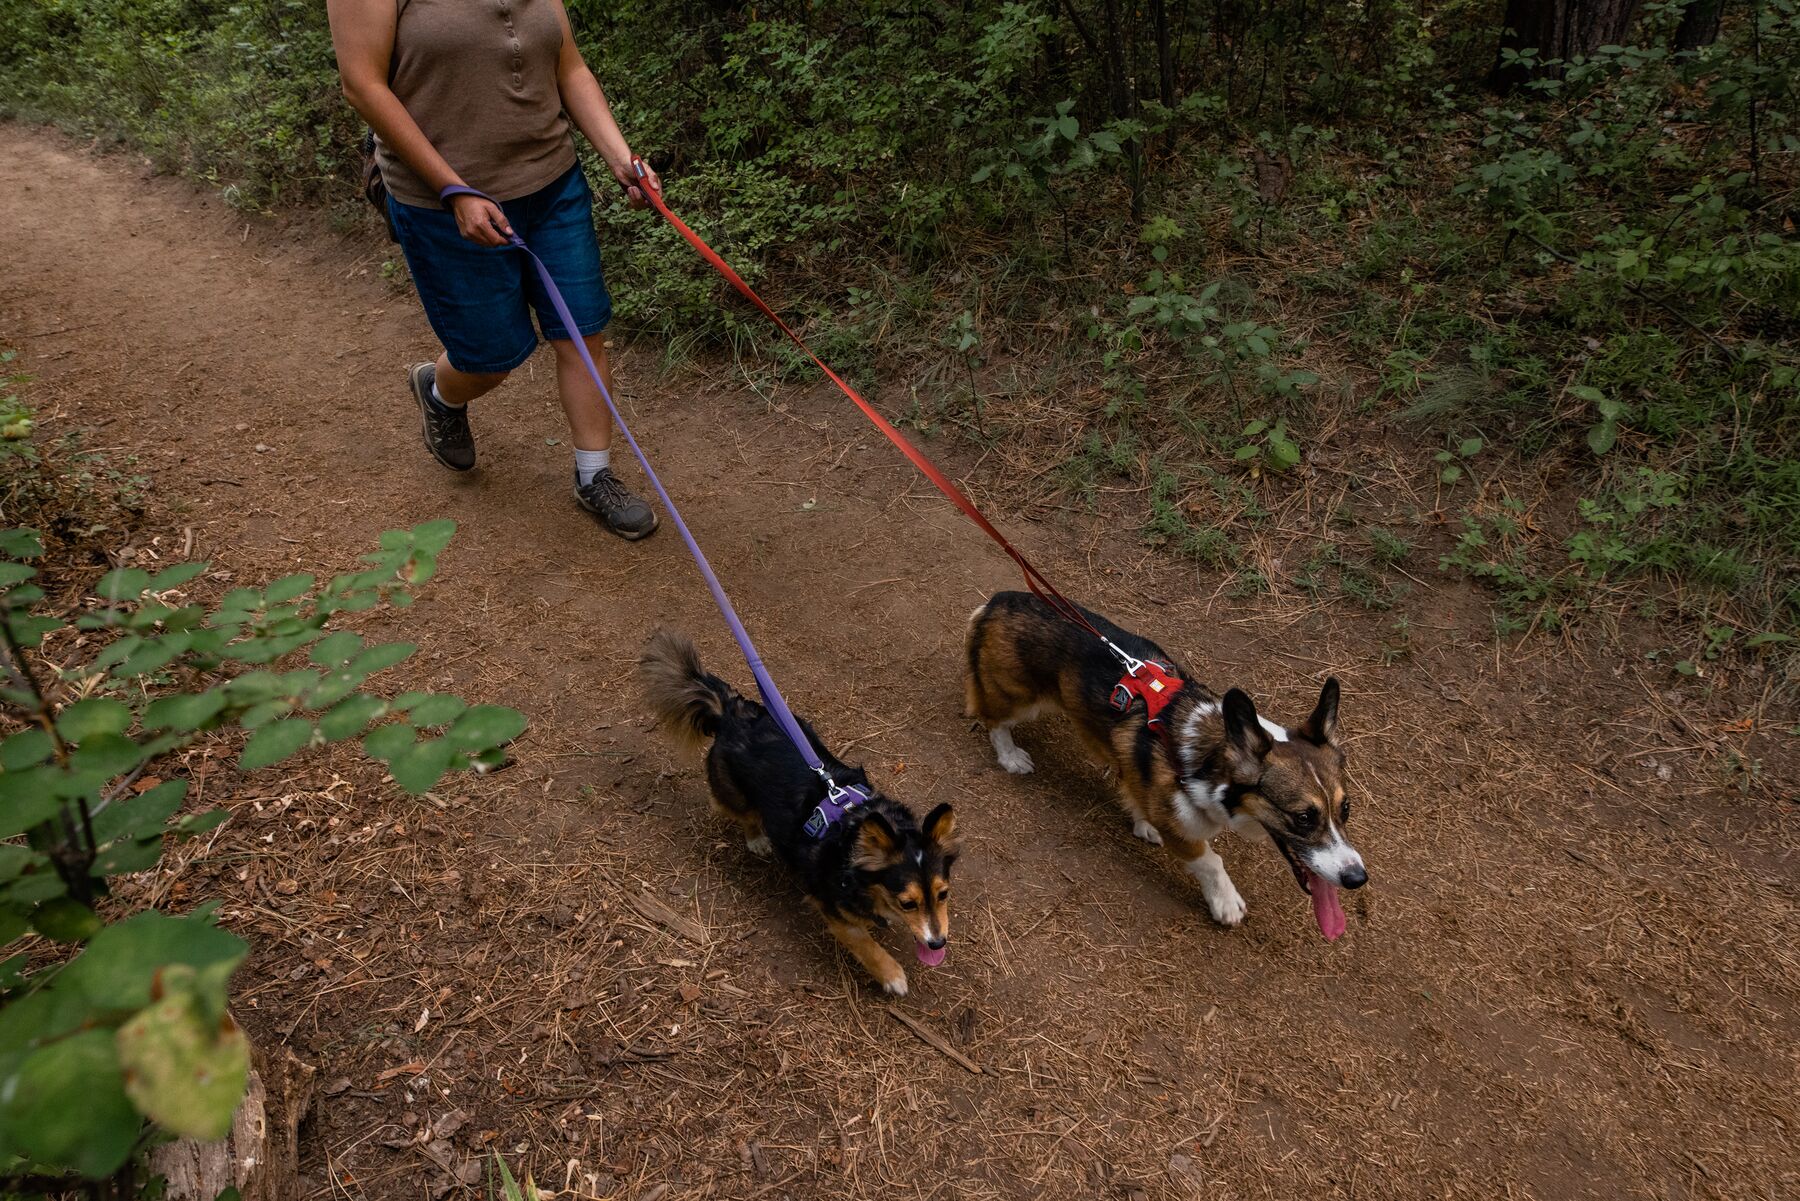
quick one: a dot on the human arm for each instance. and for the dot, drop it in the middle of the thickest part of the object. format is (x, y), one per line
(362, 33)
(586, 105)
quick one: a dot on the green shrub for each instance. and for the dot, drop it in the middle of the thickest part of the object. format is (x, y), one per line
(131, 1035)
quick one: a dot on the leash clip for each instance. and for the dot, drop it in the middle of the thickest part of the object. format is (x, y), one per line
(834, 791)
(1132, 665)
(838, 801)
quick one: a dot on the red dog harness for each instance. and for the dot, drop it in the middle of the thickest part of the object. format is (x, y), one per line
(1154, 683)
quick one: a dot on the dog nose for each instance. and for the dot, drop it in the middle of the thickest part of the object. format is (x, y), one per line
(1354, 877)
(936, 944)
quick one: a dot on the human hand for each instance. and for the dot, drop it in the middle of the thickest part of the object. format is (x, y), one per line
(480, 220)
(626, 174)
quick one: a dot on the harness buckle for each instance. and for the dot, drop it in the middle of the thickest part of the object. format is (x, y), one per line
(838, 801)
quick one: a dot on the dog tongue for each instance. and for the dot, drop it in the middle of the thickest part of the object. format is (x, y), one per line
(929, 957)
(1327, 910)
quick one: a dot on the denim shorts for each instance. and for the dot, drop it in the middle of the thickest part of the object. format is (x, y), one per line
(479, 299)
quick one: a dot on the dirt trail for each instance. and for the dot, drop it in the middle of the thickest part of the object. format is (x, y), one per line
(1569, 978)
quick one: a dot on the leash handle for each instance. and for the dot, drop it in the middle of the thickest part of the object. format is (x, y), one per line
(842, 795)
(1034, 579)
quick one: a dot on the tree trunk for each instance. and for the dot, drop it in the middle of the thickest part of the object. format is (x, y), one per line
(1699, 24)
(1122, 97)
(261, 1155)
(1558, 29)
(1165, 53)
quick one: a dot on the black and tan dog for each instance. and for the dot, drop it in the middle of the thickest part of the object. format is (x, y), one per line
(1221, 767)
(875, 865)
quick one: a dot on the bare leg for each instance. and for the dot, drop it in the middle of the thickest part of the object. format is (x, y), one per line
(458, 388)
(590, 425)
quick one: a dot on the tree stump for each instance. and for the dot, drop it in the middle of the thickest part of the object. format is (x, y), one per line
(261, 1155)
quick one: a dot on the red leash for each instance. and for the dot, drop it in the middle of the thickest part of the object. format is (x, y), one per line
(1034, 579)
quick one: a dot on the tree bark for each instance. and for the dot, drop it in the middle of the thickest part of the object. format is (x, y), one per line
(1558, 29)
(261, 1155)
(1699, 24)
(1165, 53)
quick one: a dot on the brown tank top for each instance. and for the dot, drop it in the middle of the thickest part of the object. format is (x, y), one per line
(479, 77)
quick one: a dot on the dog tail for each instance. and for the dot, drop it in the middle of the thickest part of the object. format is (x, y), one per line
(685, 697)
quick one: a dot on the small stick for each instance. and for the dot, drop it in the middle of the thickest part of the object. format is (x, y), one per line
(934, 1039)
(677, 923)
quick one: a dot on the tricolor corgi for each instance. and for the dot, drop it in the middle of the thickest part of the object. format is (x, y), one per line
(1209, 764)
(871, 865)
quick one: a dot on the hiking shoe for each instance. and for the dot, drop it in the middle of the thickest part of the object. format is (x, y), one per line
(447, 434)
(605, 497)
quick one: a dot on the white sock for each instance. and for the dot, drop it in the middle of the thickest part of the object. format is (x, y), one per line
(589, 463)
(439, 397)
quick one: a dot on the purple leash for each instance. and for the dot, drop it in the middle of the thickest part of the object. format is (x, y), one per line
(839, 798)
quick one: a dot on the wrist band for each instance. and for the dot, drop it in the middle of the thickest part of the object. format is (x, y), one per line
(458, 189)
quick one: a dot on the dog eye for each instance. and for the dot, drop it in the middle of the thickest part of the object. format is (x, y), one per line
(1344, 810)
(909, 906)
(943, 896)
(1304, 822)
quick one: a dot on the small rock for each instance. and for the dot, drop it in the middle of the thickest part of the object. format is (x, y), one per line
(690, 993)
(450, 1123)
(561, 917)
(263, 448)
(1183, 1168)
(340, 1085)
(288, 888)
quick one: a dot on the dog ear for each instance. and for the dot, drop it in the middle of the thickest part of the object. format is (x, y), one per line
(940, 827)
(877, 846)
(1246, 742)
(1321, 728)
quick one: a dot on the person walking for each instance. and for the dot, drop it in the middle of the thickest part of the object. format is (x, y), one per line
(482, 93)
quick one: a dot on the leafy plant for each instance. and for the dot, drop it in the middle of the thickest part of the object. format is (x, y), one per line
(132, 1035)
(16, 417)
(1451, 461)
(1604, 434)
(964, 341)
(1268, 446)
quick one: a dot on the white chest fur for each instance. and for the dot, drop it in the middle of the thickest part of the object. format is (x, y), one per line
(1199, 807)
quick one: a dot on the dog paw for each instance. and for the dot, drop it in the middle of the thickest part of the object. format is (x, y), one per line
(1017, 761)
(895, 985)
(1227, 906)
(760, 846)
(1147, 832)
